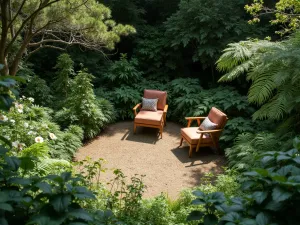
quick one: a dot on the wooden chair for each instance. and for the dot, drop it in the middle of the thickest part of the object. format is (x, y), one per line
(205, 138)
(149, 118)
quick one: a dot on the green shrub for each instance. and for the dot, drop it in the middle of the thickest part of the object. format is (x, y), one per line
(272, 194)
(38, 89)
(123, 72)
(28, 124)
(248, 147)
(82, 107)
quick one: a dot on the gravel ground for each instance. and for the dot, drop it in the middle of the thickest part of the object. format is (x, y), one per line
(167, 167)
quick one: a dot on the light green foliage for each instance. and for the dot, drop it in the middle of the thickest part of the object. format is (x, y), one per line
(123, 72)
(287, 13)
(248, 147)
(206, 27)
(56, 24)
(28, 124)
(64, 73)
(39, 150)
(81, 107)
(273, 70)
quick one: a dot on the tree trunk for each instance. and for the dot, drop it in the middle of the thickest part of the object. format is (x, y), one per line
(3, 40)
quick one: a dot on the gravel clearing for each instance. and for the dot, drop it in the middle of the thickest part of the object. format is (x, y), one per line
(167, 167)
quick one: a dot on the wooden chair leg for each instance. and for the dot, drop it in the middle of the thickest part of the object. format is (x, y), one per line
(181, 142)
(190, 151)
(161, 131)
(199, 143)
(134, 128)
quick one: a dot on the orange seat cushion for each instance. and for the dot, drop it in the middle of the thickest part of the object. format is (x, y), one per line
(149, 117)
(191, 135)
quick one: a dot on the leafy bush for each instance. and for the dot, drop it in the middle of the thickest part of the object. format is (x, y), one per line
(38, 89)
(62, 196)
(124, 99)
(273, 192)
(27, 124)
(123, 72)
(248, 147)
(82, 109)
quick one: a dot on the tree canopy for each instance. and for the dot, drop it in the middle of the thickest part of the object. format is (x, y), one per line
(29, 25)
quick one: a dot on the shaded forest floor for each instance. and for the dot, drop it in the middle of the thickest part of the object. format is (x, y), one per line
(167, 167)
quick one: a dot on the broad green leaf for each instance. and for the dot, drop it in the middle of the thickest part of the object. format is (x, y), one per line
(3, 221)
(274, 206)
(6, 207)
(20, 181)
(231, 217)
(13, 162)
(198, 193)
(210, 219)
(262, 219)
(195, 215)
(283, 157)
(61, 202)
(262, 172)
(45, 187)
(280, 194)
(80, 214)
(3, 150)
(83, 193)
(259, 196)
(26, 163)
(198, 202)
(248, 222)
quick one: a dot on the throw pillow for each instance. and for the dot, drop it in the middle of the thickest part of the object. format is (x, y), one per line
(207, 125)
(149, 104)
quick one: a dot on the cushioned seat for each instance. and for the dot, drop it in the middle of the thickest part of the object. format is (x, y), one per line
(154, 119)
(207, 137)
(191, 135)
(149, 117)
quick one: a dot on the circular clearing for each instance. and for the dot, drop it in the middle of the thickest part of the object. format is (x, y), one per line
(167, 166)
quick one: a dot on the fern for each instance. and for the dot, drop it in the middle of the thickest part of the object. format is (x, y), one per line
(274, 73)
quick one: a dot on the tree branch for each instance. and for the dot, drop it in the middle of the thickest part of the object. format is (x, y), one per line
(41, 7)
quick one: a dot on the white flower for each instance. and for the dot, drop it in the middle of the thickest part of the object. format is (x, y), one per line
(15, 144)
(31, 99)
(23, 96)
(12, 121)
(44, 125)
(52, 136)
(31, 132)
(26, 125)
(19, 107)
(3, 118)
(7, 137)
(39, 139)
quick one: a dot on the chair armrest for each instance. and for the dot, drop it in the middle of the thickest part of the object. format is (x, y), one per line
(195, 118)
(166, 108)
(198, 118)
(208, 131)
(138, 106)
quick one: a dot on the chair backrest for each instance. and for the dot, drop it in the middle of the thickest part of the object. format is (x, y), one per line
(217, 116)
(160, 95)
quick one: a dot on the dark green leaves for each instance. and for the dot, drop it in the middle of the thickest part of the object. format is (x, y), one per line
(61, 202)
(279, 194)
